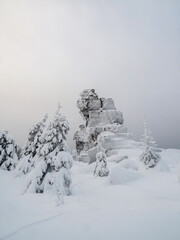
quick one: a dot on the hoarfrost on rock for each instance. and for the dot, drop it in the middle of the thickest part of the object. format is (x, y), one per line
(102, 119)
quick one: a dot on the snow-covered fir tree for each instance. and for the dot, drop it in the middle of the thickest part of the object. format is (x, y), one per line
(149, 157)
(148, 139)
(52, 168)
(101, 165)
(8, 152)
(31, 148)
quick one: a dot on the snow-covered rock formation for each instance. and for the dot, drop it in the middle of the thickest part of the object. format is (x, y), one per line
(8, 151)
(103, 123)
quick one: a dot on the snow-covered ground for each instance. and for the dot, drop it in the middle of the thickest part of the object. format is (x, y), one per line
(147, 208)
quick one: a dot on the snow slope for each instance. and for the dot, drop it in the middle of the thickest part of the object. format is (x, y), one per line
(148, 208)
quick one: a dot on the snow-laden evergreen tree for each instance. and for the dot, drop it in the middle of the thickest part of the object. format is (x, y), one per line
(148, 139)
(101, 165)
(8, 152)
(149, 157)
(31, 148)
(52, 168)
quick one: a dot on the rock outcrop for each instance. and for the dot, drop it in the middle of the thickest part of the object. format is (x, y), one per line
(103, 128)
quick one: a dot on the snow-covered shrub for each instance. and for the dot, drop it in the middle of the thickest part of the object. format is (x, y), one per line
(128, 164)
(101, 165)
(149, 157)
(31, 148)
(53, 162)
(8, 151)
(75, 155)
(83, 157)
(120, 175)
(148, 139)
(63, 163)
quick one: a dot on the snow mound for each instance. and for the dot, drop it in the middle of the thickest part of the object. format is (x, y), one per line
(162, 166)
(128, 164)
(119, 175)
(117, 158)
(86, 169)
(171, 157)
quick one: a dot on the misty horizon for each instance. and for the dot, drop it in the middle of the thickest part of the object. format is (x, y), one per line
(125, 50)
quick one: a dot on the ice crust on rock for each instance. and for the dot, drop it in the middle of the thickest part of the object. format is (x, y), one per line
(102, 120)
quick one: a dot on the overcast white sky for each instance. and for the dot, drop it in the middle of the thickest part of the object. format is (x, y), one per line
(126, 49)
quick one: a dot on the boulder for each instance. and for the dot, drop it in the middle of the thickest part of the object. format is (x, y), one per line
(103, 118)
(94, 104)
(108, 104)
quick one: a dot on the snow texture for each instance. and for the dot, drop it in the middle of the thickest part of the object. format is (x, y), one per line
(128, 164)
(121, 175)
(178, 173)
(117, 158)
(147, 208)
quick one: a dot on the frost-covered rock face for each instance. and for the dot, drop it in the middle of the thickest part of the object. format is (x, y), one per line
(102, 121)
(8, 152)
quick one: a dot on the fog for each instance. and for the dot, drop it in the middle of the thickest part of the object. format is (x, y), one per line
(128, 50)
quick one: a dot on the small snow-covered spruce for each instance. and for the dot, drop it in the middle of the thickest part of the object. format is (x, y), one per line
(8, 151)
(31, 148)
(149, 157)
(52, 168)
(148, 139)
(101, 165)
